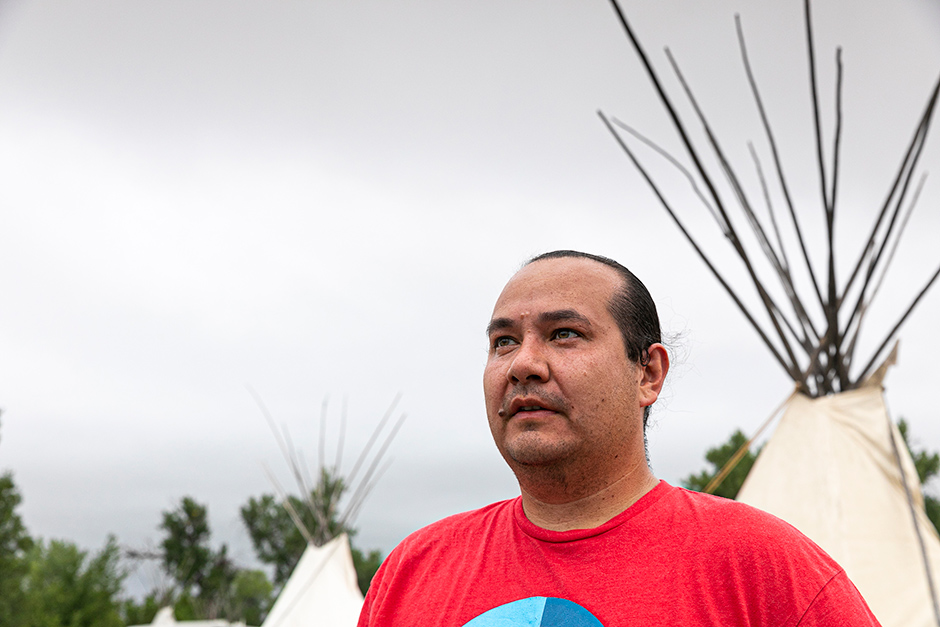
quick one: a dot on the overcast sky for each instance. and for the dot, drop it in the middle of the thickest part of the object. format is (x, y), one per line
(322, 200)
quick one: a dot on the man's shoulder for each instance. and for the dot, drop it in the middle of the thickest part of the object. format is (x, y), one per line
(727, 516)
(768, 559)
(740, 530)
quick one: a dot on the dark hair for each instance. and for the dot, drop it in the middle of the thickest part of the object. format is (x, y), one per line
(632, 308)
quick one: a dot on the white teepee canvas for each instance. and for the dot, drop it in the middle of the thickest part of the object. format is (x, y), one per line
(831, 471)
(322, 591)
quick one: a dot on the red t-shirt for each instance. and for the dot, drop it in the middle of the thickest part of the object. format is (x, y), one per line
(675, 557)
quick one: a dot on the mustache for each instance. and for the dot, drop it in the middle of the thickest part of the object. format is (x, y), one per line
(554, 401)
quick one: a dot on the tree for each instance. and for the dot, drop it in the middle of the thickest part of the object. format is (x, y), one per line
(15, 545)
(252, 596)
(142, 613)
(275, 537)
(718, 456)
(279, 542)
(366, 565)
(218, 587)
(186, 551)
(210, 585)
(64, 587)
(928, 466)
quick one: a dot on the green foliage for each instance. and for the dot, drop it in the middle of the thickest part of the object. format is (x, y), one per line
(15, 545)
(718, 456)
(142, 613)
(186, 552)
(279, 543)
(209, 584)
(274, 535)
(66, 589)
(218, 586)
(247, 597)
(252, 596)
(365, 565)
(928, 466)
(56, 584)
(932, 508)
(185, 608)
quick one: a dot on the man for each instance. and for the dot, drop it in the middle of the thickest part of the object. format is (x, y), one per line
(575, 361)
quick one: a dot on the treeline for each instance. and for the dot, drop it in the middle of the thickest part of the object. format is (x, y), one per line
(55, 583)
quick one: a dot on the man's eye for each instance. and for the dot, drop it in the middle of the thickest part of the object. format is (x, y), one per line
(504, 341)
(565, 334)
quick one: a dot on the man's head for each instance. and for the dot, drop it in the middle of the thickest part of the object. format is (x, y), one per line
(563, 389)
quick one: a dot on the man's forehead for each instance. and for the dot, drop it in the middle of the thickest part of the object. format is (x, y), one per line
(558, 283)
(559, 273)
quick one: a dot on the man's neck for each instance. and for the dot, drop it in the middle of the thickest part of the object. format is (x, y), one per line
(591, 510)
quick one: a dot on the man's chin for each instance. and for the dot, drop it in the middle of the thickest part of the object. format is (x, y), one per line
(530, 449)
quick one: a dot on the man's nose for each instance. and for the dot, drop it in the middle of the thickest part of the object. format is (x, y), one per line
(529, 363)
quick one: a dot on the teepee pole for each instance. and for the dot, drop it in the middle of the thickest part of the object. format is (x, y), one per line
(672, 161)
(897, 326)
(837, 137)
(840, 361)
(817, 117)
(776, 157)
(732, 463)
(853, 338)
(908, 162)
(781, 263)
(831, 306)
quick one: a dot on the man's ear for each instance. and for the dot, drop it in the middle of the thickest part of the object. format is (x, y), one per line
(653, 374)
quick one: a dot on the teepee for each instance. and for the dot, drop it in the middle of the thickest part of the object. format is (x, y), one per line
(836, 466)
(322, 589)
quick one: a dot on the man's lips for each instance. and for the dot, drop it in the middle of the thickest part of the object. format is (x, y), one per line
(528, 407)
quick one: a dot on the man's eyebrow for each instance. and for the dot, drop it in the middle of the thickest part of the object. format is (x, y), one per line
(559, 315)
(498, 324)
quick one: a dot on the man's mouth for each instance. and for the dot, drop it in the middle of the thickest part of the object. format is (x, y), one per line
(528, 407)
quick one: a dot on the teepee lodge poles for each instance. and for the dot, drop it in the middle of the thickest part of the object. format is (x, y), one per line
(322, 497)
(814, 340)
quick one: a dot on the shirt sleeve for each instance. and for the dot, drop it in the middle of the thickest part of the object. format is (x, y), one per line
(838, 603)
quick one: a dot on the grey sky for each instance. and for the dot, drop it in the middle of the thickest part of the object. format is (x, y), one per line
(325, 198)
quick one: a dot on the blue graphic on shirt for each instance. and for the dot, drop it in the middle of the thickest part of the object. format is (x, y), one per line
(536, 612)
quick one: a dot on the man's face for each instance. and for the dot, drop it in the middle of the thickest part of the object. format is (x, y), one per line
(559, 388)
